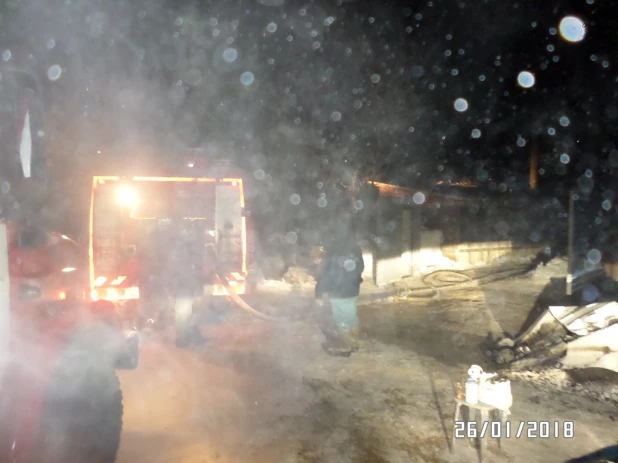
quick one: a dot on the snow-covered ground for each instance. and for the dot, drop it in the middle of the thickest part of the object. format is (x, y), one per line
(274, 395)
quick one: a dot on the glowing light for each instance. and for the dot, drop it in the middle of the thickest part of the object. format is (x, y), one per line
(126, 195)
(68, 269)
(99, 281)
(118, 280)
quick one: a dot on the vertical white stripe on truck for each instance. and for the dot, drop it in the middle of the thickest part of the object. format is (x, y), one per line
(4, 292)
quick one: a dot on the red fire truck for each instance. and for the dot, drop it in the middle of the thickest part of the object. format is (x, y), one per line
(137, 224)
(60, 398)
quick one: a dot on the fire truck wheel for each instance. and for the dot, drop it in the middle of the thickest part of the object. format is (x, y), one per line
(81, 418)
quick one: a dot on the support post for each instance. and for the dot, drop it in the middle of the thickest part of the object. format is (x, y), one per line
(569, 279)
(534, 165)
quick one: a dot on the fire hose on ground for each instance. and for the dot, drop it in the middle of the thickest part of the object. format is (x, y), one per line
(434, 281)
(240, 302)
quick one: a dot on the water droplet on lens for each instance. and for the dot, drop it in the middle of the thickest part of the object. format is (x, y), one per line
(54, 73)
(246, 78)
(461, 105)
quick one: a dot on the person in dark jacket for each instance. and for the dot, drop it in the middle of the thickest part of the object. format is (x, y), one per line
(339, 283)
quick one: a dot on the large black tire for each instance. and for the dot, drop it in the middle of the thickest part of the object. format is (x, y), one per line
(81, 419)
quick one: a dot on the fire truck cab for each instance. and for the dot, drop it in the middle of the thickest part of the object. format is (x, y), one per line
(60, 397)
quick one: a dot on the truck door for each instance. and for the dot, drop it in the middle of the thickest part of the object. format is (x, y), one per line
(228, 226)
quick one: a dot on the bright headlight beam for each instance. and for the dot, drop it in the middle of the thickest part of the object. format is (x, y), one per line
(126, 195)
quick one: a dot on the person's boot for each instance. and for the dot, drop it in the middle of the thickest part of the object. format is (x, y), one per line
(336, 349)
(336, 344)
(350, 340)
(354, 339)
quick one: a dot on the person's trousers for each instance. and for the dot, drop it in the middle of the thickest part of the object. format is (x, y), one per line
(344, 314)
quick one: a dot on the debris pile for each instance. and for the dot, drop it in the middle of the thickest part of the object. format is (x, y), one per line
(575, 337)
(554, 379)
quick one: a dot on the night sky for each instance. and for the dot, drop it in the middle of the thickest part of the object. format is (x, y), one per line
(303, 94)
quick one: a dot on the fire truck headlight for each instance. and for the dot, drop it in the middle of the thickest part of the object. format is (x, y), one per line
(126, 195)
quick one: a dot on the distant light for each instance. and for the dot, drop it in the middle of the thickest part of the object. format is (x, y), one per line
(572, 29)
(526, 79)
(461, 105)
(68, 269)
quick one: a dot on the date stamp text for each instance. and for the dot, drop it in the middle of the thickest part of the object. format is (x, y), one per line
(521, 430)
